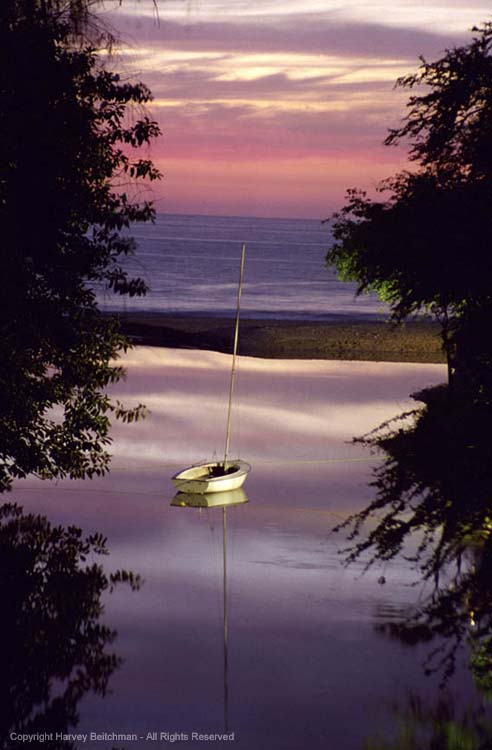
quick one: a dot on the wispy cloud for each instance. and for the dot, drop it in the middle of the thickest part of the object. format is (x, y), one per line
(242, 83)
(448, 15)
(307, 33)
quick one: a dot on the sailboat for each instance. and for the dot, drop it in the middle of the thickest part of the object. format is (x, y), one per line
(229, 474)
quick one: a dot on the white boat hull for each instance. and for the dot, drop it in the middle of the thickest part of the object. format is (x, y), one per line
(200, 479)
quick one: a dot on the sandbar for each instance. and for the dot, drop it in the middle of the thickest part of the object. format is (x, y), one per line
(414, 341)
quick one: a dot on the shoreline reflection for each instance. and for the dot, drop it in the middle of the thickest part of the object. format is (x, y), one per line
(54, 647)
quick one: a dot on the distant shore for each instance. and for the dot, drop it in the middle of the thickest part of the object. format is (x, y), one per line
(289, 339)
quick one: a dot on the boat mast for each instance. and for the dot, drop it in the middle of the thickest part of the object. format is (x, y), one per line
(233, 371)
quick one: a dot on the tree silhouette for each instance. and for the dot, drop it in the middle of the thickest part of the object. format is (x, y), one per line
(54, 647)
(426, 247)
(70, 131)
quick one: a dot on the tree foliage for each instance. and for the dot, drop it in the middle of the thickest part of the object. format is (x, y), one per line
(80, 19)
(449, 126)
(70, 130)
(426, 248)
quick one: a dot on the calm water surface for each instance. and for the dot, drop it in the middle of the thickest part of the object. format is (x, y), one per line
(307, 667)
(191, 265)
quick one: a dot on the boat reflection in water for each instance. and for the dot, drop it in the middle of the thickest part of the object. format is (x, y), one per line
(211, 500)
(217, 500)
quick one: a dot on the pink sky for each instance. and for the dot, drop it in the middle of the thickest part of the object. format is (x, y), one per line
(273, 108)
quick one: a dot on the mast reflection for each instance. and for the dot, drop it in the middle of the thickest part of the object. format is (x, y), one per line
(219, 500)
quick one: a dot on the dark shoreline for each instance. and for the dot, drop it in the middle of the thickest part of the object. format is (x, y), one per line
(289, 339)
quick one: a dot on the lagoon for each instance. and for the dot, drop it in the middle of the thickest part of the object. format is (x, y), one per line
(308, 667)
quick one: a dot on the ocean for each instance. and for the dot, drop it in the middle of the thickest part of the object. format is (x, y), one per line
(191, 264)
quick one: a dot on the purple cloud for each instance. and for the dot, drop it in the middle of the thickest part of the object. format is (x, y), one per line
(302, 34)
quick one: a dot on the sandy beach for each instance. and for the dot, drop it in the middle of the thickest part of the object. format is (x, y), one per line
(288, 339)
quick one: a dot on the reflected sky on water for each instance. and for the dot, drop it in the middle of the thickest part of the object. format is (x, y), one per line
(307, 668)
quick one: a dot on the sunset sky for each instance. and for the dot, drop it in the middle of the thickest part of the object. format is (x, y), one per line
(273, 107)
